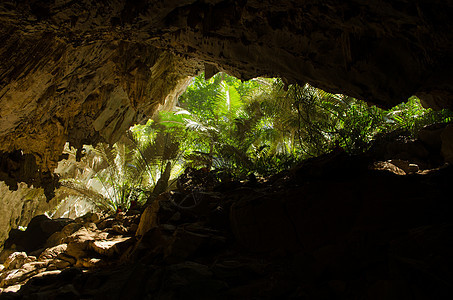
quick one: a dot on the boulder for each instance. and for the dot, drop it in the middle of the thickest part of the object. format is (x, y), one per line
(106, 223)
(111, 247)
(58, 237)
(11, 289)
(16, 260)
(387, 166)
(25, 272)
(120, 229)
(405, 165)
(89, 262)
(35, 236)
(5, 254)
(79, 242)
(53, 252)
(90, 217)
(61, 262)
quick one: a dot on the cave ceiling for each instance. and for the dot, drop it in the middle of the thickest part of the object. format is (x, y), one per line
(84, 71)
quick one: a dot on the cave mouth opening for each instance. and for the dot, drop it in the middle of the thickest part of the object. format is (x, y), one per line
(237, 130)
(223, 185)
(333, 226)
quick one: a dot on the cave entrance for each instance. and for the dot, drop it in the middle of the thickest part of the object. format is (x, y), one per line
(233, 130)
(289, 174)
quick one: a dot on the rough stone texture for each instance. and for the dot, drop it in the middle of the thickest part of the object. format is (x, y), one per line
(15, 260)
(331, 228)
(81, 96)
(82, 71)
(86, 247)
(57, 238)
(148, 219)
(17, 208)
(40, 228)
(53, 252)
(55, 88)
(381, 51)
(111, 247)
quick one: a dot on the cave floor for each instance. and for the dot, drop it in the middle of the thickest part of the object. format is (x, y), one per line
(335, 227)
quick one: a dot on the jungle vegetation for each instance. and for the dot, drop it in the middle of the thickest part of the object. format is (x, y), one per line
(237, 128)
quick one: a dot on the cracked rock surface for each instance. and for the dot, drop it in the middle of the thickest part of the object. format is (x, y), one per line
(334, 227)
(83, 71)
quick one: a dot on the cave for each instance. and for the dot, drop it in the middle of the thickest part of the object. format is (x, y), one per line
(83, 72)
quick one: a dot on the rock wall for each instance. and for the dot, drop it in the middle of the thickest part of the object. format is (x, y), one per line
(56, 93)
(83, 71)
(380, 51)
(18, 207)
(331, 228)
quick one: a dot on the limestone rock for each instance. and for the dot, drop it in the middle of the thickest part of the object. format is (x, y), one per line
(26, 271)
(19, 207)
(413, 168)
(89, 262)
(5, 254)
(345, 232)
(388, 166)
(79, 242)
(111, 247)
(105, 87)
(430, 136)
(84, 235)
(85, 247)
(148, 219)
(120, 229)
(447, 144)
(61, 263)
(53, 252)
(106, 223)
(58, 237)
(12, 288)
(89, 218)
(406, 166)
(133, 229)
(15, 260)
(11, 277)
(84, 72)
(38, 230)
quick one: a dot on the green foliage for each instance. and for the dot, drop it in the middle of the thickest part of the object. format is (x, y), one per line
(262, 126)
(259, 126)
(134, 169)
(114, 185)
(327, 120)
(221, 96)
(222, 128)
(411, 116)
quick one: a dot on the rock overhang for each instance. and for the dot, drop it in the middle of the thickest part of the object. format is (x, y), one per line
(84, 71)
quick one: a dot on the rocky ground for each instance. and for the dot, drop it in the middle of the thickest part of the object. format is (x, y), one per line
(373, 226)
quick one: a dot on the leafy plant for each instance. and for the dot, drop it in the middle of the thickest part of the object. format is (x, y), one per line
(132, 170)
(411, 116)
(261, 126)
